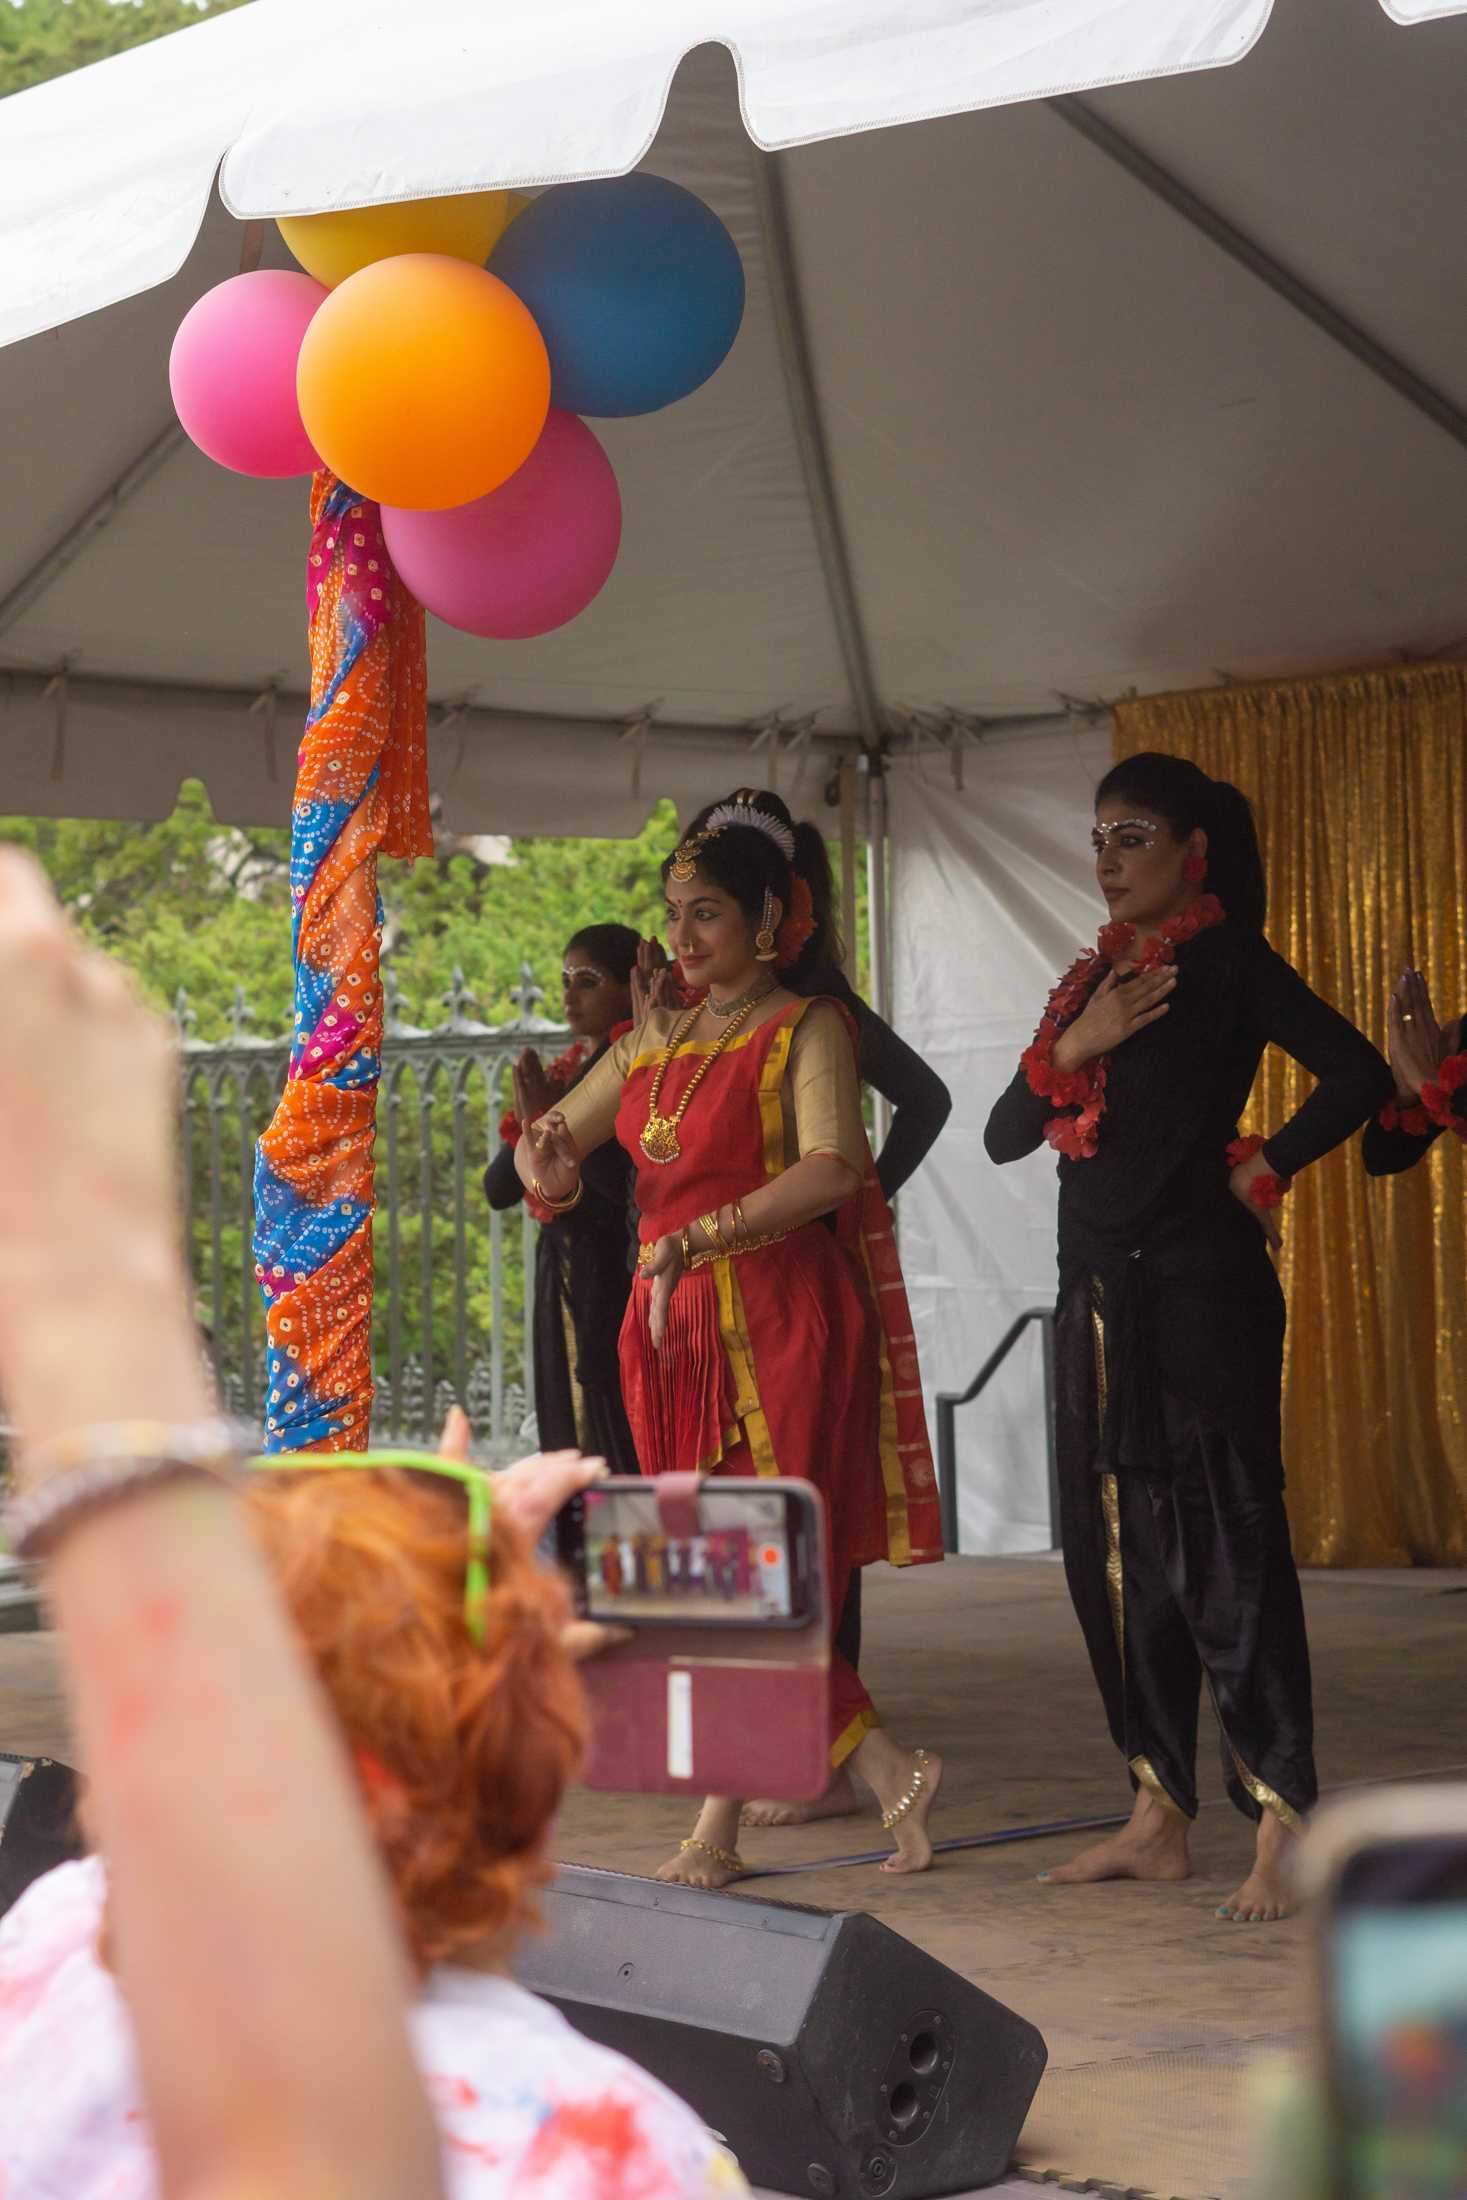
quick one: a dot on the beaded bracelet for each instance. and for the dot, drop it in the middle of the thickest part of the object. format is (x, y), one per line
(1264, 1191)
(93, 1468)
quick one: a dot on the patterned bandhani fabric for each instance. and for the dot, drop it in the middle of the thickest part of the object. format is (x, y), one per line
(361, 788)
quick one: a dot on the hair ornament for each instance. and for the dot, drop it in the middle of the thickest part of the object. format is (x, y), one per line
(758, 821)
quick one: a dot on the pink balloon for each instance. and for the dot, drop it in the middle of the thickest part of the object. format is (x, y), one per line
(529, 556)
(232, 372)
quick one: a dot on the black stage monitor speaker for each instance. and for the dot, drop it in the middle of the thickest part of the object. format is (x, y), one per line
(37, 1821)
(832, 2056)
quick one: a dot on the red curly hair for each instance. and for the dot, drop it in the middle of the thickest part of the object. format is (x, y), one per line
(463, 1754)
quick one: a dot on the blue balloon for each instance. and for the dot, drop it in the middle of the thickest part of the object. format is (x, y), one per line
(637, 287)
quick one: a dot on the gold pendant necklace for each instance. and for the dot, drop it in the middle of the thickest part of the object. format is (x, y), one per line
(659, 1139)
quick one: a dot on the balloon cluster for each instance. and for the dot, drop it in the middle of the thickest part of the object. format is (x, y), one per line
(450, 391)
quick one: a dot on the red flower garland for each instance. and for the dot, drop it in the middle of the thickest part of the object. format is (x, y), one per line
(1077, 1135)
(1436, 1094)
(1264, 1191)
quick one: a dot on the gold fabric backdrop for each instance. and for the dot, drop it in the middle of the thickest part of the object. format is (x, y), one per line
(1360, 785)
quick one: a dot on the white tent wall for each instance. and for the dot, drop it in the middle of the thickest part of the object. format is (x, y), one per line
(992, 895)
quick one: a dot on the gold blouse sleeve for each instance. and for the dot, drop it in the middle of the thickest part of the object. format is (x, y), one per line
(590, 1107)
(825, 1090)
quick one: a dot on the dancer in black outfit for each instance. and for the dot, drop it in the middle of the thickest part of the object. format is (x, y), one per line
(1169, 1342)
(1430, 1070)
(583, 1263)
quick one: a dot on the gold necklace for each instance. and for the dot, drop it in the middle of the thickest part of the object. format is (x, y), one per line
(659, 1140)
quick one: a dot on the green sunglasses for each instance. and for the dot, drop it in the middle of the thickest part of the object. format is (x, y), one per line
(473, 1479)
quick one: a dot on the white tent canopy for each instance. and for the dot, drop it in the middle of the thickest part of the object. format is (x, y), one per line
(1130, 390)
(1061, 400)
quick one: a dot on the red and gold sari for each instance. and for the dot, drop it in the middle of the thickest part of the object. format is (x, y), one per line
(796, 1357)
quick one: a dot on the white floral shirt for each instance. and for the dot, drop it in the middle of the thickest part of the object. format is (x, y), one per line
(527, 2108)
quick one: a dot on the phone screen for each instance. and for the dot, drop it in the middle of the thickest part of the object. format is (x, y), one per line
(1398, 1977)
(741, 1569)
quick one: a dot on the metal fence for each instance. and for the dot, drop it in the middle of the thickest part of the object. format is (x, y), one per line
(453, 1314)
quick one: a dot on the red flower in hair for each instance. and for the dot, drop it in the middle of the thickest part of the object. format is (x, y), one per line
(798, 928)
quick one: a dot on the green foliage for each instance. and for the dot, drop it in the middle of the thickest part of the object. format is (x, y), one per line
(40, 39)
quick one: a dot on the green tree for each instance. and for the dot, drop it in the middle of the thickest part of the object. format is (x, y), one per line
(40, 39)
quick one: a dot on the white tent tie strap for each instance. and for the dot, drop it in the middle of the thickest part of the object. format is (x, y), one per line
(634, 732)
(266, 707)
(57, 692)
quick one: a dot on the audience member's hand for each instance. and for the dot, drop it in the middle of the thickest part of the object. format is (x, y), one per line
(90, 1236)
(531, 1493)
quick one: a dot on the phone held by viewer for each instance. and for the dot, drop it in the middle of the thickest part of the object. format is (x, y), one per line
(1389, 1875)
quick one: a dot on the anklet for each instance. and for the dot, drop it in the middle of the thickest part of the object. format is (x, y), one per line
(895, 1816)
(725, 1857)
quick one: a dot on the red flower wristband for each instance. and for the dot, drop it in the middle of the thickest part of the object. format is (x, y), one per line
(1438, 1095)
(1405, 1115)
(1264, 1191)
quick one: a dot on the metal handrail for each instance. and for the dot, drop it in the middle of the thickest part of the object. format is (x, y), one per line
(948, 1401)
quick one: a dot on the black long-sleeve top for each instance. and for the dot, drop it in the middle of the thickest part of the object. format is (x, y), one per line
(920, 1101)
(1389, 1152)
(592, 1248)
(1194, 1304)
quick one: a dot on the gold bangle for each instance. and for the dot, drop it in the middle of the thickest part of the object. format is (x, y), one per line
(708, 1224)
(686, 1243)
(559, 1206)
(741, 1228)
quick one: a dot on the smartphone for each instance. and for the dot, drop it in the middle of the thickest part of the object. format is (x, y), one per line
(747, 1559)
(1390, 1876)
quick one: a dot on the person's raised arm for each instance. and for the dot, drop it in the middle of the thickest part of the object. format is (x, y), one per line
(1428, 1067)
(920, 1102)
(1351, 1079)
(254, 1938)
(548, 1157)
(833, 1154)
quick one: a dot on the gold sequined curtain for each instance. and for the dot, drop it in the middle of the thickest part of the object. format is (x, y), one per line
(1360, 784)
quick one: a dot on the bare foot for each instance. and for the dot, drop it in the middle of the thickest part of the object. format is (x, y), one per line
(840, 1800)
(892, 1774)
(691, 1868)
(709, 1857)
(1153, 1845)
(1263, 1897)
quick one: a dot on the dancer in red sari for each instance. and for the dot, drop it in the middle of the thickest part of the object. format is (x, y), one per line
(759, 1339)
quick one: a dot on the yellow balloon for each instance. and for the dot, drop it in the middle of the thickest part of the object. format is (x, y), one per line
(333, 246)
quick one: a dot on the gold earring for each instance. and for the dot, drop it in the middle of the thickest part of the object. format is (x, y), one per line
(765, 950)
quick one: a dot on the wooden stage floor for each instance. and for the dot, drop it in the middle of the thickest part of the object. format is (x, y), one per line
(1155, 2012)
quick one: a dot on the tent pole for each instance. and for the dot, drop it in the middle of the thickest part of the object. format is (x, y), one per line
(846, 789)
(772, 207)
(50, 566)
(877, 908)
(1350, 337)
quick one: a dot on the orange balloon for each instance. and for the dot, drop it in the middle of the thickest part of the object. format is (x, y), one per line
(423, 381)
